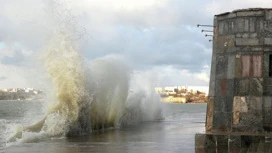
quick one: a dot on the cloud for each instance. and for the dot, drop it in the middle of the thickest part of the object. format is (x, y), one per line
(16, 59)
(158, 35)
(2, 78)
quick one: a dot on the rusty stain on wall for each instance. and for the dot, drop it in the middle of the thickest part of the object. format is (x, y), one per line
(257, 61)
(245, 65)
(223, 87)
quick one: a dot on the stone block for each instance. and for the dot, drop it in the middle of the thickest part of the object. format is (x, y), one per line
(261, 41)
(211, 87)
(225, 44)
(231, 143)
(257, 49)
(200, 143)
(222, 143)
(221, 44)
(240, 25)
(245, 35)
(253, 35)
(266, 29)
(247, 42)
(251, 143)
(219, 103)
(252, 25)
(238, 66)
(218, 87)
(234, 143)
(223, 27)
(209, 116)
(267, 49)
(242, 87)
(268, 15)
(239, 106)
(266, 65)
(227, 16)
(230, 86)
(267, 90)
(256, 65)
(256, 87)
(232, 49)
(231, 66)
(249, 122)
(256, 104)
(267, 41)
(267, 86)
(232, 24)
(250, 13)
(212, 76)
(238, 35)
(221, 67)
(221, 121)
(229, 96)
(267, 100)
(210, 144)
(259, 24)
(244, 50)
(223, 87)
(246, 28)
(267, 116)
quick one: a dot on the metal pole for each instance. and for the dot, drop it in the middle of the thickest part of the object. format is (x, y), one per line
(208, 35)
(206, 31)
(199, 25)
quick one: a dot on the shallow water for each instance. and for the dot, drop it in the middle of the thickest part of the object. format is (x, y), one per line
(173, 134)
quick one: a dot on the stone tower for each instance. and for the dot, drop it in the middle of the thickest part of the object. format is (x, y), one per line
(240, 95)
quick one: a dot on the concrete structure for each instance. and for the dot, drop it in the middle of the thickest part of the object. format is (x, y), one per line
(239, 110)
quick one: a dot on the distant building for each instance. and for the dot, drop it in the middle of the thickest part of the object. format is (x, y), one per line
(159, 89)
(13, 90)
(4, 90)
(174, 99)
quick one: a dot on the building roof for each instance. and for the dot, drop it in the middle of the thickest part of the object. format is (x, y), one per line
(244, 10)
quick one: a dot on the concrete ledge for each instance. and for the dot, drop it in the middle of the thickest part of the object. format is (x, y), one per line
(251, 13)
(232, 143)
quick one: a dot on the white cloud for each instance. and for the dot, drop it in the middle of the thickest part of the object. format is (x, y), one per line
(220, 6)
(158, 35)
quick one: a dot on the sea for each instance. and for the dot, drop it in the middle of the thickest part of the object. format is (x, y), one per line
(173, 133)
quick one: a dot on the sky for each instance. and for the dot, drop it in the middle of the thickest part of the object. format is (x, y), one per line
(155, 36)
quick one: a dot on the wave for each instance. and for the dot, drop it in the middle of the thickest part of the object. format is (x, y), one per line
(104, 93)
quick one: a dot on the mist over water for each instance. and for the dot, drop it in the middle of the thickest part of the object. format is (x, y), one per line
(86, 96)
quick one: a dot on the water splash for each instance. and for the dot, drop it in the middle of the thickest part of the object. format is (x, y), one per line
(102, 94)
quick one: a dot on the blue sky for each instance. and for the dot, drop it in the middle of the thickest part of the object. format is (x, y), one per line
(159, 36)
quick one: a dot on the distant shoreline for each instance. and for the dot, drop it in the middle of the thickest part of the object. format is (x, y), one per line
(181, 103)
(40, 100)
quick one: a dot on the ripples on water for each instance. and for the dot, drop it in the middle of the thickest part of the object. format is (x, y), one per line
(174, 133)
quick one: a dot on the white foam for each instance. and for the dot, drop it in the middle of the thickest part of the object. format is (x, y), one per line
(102, 94)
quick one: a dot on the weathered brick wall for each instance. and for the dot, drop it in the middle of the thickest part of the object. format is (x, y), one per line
(240, 96)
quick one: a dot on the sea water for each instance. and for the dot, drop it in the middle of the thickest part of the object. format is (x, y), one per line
(174, 133)
(98, 105)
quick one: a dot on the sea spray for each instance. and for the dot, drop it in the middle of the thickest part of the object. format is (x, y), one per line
(110, 80)
(103, 94)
